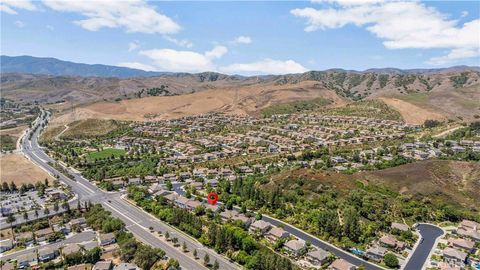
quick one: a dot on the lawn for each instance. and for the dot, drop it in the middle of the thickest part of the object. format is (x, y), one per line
(106, 153)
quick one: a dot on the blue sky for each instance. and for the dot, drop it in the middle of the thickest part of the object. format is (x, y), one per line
(246, 37)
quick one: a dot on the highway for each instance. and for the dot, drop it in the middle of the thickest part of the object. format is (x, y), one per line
(137, 221)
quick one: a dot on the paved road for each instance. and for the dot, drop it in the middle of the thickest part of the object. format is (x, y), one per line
(137, 221)
(177, 187)
(76, 238)
(429, 234)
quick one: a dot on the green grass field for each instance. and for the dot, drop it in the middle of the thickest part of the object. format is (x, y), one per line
(106, 153)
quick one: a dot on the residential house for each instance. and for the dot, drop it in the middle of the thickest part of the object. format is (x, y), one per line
(134, 181)
(276, 233)
(376, 253)
(390, 241)
(65, 229)
(47, 254)
(5, 245)
(127, 266)
(90, 245)
(317, 257)
(235, 215)
(470, 229)
(70, 249)
(259, 227)
(192, 204)
(43, 234)
(103, 265)
(341, 264)
(27, 260)
(454, 256)
(106, 239)
(78, 222)
(295, 247)
(25, 238)
(460, 243)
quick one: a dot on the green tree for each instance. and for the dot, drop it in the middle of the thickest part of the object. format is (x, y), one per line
(11, 219)
(169, 185)
(173, 263)
(206, 260)
(215, 265)
(146, 256)
(391, 260)
(195, 254)
(55, 207)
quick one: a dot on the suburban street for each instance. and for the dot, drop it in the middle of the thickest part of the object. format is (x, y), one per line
(137, 221)
(429, 234)
(81, 237)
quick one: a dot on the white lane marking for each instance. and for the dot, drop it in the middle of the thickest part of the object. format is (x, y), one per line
(78, 182)
(142, 227)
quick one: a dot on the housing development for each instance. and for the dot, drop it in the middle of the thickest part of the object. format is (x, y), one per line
(225, 135)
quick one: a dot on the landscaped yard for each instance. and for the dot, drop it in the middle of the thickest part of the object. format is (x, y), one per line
(106, 153)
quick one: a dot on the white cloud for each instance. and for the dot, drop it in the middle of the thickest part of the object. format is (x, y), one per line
(10, 6)
(132, 46)
(137, 65)
(454, 55)
(216, 52)
(265, 66)
(19, 24)
(242, 40)
(132, 15)
(185, 61)
(464, 14)
(400, 24)
(180, 42)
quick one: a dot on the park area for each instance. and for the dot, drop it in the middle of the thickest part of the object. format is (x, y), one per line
(106, 153)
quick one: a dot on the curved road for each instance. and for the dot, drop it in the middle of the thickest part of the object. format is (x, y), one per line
(429, 234)
(136, 220)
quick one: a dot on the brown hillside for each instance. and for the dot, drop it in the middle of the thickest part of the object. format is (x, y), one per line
(454, 181)
(243, 100)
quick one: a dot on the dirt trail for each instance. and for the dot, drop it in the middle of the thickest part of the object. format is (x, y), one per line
(446, 132)
(57, 137)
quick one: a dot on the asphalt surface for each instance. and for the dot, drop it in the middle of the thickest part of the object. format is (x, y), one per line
(137, 221)
(79, 238)
(429, 234)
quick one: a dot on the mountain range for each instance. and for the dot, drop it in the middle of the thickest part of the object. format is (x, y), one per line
(99, 91)
(56, 67)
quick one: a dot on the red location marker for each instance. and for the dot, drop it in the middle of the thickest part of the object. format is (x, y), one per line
(212, 198)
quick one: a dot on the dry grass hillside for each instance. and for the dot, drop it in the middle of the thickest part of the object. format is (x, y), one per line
(417, 94)
(243, 100)
(448, 181)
